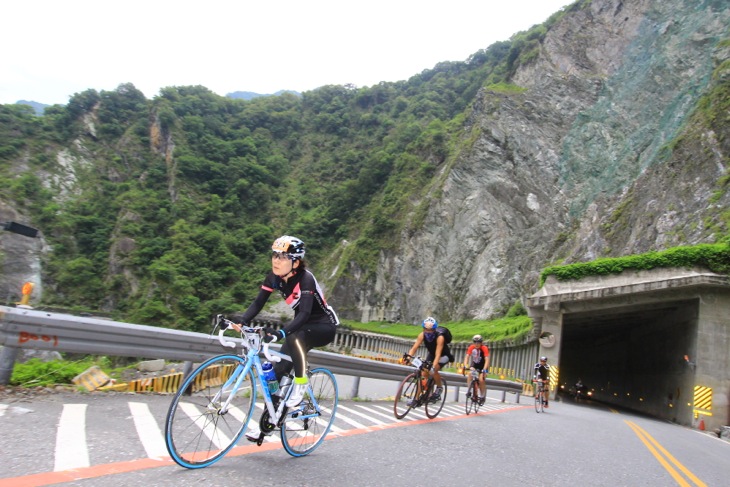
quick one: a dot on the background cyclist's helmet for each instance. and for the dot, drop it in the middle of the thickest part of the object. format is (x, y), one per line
(543, 359)
(477, 339)
(429, 325)
(291, 246)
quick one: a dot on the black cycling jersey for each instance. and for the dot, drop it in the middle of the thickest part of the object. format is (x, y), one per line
(302, 293)
(314, 323)
(542, 371)
(431, 347)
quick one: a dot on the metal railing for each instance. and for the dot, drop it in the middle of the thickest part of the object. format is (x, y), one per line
(40, 330)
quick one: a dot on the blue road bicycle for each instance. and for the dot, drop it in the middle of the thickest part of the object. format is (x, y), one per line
(213, 406)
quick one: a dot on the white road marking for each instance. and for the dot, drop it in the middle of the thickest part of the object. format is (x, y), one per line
(71, 448)
(148, 431)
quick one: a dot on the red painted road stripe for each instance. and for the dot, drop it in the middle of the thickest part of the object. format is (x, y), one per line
(50, 478)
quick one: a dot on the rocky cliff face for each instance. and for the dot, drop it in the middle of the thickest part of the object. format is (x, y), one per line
(20, 259)
(575, 167)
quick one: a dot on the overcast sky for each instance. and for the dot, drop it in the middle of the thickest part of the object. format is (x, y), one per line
(52, 49)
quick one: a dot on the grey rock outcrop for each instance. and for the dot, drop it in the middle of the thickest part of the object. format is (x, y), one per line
(569, 170)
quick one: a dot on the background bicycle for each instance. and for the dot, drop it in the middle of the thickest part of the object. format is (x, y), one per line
(472, 401)
(415, 391)
(213, 406)
(539, 395)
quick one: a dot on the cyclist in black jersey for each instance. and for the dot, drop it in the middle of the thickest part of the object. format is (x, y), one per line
(542, 373)
(314, 324)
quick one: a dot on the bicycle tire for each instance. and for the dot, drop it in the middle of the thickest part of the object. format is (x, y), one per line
(197, 433)
(305, 426)
(468, 403)
(539, 400)
(434, 408)
(476, 394)
(406, 393)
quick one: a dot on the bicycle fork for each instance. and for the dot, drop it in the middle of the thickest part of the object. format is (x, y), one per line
(231, 384)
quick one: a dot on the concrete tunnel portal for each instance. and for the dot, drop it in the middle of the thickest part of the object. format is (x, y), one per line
(646, 341)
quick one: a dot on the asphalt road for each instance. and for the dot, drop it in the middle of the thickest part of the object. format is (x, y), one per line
(506, 444)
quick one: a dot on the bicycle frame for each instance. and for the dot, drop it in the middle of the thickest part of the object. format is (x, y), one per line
(233, 383)
(253, 360)
(253, 339)
(474, 376)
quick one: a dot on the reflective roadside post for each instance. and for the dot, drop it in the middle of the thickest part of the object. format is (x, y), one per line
(27, 289)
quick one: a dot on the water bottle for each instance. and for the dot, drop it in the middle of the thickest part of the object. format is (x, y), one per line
(270, 377)
(285, 384)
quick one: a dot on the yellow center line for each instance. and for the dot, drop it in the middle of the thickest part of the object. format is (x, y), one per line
(651, 443)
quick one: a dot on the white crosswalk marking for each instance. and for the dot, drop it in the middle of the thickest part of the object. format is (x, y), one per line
(358, 413)
(391, 414)
(373, 410)
(71, 449)
(340, 417)
(457, 409)
(148, 431)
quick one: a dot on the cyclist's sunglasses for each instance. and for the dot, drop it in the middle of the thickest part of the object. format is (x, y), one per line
(280, 256)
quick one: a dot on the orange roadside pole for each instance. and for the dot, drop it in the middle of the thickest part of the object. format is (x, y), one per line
(27, 290)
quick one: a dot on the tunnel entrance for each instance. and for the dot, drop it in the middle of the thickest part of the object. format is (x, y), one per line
(654, 341)
(633, 356)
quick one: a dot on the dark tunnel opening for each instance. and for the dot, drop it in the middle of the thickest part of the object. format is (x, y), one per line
(633, 356)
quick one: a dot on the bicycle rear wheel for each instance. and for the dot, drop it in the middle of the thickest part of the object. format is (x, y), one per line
(405, 396)
(434, 408)
(306, 425)
(198, 432)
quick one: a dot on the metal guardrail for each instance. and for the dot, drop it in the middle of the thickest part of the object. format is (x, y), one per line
(27, 328)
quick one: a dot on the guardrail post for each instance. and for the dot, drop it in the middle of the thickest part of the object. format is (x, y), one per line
(456, 394)
(7, 362)
(355, 387)
(187, 369)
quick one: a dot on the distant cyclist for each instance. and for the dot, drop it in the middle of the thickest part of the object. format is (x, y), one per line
(434, 339)
(542, 374)
(477, 357)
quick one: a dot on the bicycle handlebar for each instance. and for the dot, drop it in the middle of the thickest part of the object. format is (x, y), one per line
(245, 331)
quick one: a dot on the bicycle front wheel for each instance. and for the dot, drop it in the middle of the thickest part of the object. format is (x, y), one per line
(198, 430)
(538, 401)
(306, 425)
(433, 408)
(472, 397)
(406, 396)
